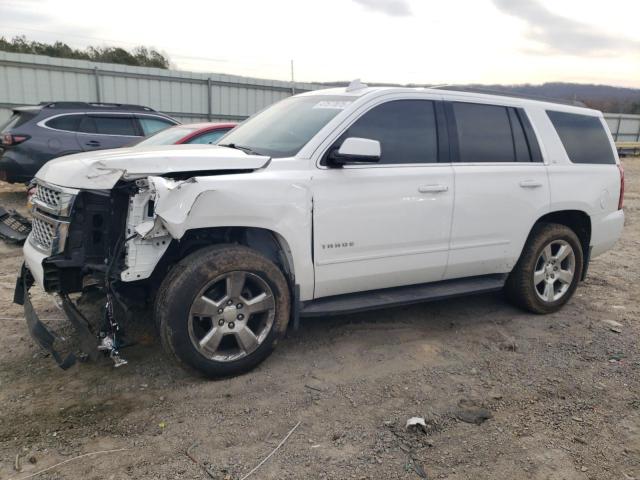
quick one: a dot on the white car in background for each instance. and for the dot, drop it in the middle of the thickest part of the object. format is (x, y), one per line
(327, 202)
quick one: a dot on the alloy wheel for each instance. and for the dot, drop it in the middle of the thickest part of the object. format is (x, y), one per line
(231, 316)
(554, 271)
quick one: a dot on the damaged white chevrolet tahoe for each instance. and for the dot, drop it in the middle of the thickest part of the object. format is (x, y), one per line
(327, 202)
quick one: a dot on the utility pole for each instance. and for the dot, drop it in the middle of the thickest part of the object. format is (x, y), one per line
(293, 87)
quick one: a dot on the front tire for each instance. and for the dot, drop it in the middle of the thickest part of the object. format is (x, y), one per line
(222, 309)
(548, 271)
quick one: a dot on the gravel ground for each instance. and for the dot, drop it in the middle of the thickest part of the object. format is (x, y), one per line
(562, 392)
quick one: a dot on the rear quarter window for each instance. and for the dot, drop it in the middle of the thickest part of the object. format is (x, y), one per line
(583, 137)
(70, 123)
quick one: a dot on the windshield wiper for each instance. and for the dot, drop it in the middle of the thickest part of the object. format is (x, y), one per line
(240, 147)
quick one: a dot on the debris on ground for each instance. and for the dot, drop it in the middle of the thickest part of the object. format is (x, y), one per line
(416, 423)
(14, 227)
(470, 412)
(205, 468)
(272, 451)
(613, 325)
(413, 465)
(475, 415)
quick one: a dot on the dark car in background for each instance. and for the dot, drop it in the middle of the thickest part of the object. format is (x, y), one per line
(192, 133)
(36, 134)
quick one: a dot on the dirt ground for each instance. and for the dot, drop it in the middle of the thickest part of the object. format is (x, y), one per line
(563, 392)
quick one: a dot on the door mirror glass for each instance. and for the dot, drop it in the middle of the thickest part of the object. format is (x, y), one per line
(356, 150)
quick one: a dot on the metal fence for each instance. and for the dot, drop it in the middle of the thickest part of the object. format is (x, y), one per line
(186, 96)
(624, 128)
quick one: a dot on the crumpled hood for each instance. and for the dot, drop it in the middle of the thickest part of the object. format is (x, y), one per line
(101, 169)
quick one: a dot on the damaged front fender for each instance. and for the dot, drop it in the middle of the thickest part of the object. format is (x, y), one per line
(173, 201)
(156, 214)
(278, 200)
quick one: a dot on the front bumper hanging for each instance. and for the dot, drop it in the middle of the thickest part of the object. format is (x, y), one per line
(45, 337)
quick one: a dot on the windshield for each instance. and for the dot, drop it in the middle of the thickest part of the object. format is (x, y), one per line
(284, 128)
(168, 136)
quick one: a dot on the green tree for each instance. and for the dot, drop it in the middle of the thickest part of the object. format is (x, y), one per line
(139, 56)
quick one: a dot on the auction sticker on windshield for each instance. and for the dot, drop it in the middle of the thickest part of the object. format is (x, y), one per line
(333, 104)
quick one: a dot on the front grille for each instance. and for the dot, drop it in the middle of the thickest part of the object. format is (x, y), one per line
(42, 233)
(51, 211)
(48, 196)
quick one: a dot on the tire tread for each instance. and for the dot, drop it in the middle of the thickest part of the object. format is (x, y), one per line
(519, 287)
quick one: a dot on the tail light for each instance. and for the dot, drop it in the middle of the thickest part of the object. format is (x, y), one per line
(9, 139)
(621, 199)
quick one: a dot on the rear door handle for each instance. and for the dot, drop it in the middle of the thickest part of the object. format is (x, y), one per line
(530, 184)
(93, 143)
(432, 188)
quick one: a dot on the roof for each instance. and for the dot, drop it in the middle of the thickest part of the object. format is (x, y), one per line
(207, 125)
(97, 106)
(459, 93)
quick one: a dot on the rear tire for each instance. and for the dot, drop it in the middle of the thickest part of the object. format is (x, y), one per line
(222, 309)
(548, 271)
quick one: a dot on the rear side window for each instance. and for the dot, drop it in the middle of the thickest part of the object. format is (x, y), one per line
(583, 137)
(152, 125)
(70, 123)
(493, 133)
(108, 125)
(406, 130)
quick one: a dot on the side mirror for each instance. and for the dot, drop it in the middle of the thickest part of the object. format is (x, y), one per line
(355, 150)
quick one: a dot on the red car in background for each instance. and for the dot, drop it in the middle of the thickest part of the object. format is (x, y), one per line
(194, 133)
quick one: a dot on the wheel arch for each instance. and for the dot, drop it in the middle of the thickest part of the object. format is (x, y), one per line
(269, 243)
(578, 221)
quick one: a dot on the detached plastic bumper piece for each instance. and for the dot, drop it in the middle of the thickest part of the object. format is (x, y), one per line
(45, 337)
(13, 226)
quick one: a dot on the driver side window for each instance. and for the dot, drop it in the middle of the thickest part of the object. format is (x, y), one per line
(406, 130)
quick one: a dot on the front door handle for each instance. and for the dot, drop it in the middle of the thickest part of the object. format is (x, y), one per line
(530, 184)
(93, 143)
(432, 188)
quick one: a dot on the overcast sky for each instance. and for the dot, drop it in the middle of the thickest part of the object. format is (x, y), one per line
(401, 41)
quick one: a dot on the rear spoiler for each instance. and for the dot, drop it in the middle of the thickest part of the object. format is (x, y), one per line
(26, 108)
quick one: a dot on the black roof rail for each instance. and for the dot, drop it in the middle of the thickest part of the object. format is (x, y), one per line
(504, 93)
(96, 106)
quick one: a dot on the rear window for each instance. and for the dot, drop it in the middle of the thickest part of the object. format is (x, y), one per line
(493, 133)
(484, 133)
(17, 119)
(107, 125)
(583, 137)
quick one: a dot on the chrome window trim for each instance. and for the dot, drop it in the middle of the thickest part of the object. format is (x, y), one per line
(43, 123)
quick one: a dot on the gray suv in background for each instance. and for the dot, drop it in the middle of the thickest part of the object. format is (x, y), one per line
(36, 134)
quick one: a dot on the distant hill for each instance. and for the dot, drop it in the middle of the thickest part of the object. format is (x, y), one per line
(601, 97)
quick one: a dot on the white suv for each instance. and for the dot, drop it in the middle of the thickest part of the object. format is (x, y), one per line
(327, 202)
